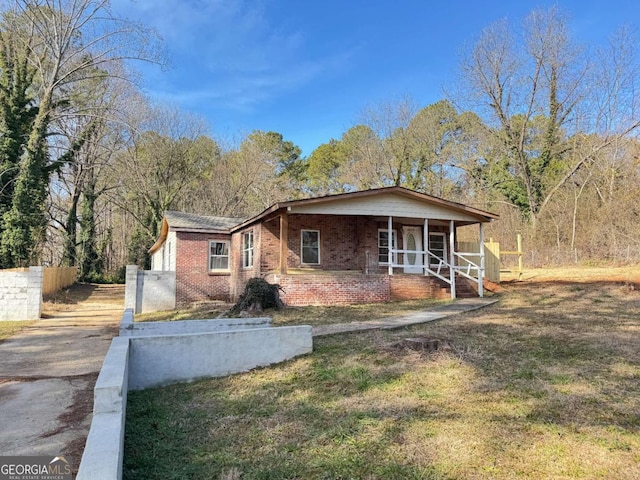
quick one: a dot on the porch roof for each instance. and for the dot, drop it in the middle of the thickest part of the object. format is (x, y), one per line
(398, 202)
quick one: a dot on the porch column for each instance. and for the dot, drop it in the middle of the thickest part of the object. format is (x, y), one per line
(284, 241)
(452, 257)
(481, 271)
(425, 243)
(391, 245)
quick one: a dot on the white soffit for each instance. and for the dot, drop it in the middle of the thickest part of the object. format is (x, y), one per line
(385, 205)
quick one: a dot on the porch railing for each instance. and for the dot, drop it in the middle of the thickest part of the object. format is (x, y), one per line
(466, 270)
(436, 266)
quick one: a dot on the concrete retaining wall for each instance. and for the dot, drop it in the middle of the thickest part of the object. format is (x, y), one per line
(149, 290)
(162, 360)
(130, 328)
(144, 359)
(103, 452)
(21, 294)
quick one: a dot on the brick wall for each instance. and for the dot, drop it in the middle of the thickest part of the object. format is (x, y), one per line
(347, 243)
(344, 242)
(194, 282)
(270, 245)
(413, 287)
(332, 289)
(242, 275)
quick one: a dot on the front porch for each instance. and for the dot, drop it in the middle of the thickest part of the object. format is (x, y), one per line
(438, 258)
(355, 253)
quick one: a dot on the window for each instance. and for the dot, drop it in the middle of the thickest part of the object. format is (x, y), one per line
(247, 249)
(218, 255)
(383, 245)
(311, 247)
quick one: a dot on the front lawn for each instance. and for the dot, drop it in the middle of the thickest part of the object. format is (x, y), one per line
(301, 315)
(543, 385)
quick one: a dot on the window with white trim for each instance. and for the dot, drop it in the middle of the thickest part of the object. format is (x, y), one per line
(218, 256)
(310, 247)
(247, 249)
(383, 245)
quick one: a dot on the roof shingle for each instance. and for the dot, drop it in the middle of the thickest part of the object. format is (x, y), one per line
(200, 222)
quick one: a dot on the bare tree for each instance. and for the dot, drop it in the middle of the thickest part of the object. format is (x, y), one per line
(538, 90)
(68, 43)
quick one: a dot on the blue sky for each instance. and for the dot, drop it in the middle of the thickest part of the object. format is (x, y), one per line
(307, 69)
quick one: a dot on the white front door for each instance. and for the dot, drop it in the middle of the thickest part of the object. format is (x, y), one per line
(412, 241)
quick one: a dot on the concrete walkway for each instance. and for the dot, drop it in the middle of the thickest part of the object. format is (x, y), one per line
(47, 373)
(460, 306)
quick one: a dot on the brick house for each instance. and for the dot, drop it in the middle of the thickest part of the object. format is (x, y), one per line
(370, 246)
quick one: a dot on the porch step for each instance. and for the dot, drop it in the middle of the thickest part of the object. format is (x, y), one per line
(465, 288)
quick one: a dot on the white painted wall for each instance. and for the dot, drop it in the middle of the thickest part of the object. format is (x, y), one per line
(385, 205)
(21, 294)
(136, 362)
(164, 259)
(149, 290)
(104, 449)
(182, 327)
(162, 360)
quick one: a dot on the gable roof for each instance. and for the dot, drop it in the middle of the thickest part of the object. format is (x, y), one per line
(191, 222)
(304, 205)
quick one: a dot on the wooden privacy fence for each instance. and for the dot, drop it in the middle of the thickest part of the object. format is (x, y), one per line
(491, 257)
(55, 279)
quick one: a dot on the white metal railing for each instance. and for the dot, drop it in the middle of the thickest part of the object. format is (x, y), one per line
(439, 268)
(426, 263)
(465, 270)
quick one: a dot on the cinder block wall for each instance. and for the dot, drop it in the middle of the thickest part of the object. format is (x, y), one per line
(149, 291)
(21, 294)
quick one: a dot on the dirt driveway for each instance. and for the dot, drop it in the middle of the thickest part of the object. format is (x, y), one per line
(48, 371)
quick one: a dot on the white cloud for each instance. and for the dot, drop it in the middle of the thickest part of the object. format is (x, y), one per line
(230, 52)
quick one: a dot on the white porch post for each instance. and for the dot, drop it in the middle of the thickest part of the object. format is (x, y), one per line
(391, 245)
(481, 271)
(425, 243)
(452, 257)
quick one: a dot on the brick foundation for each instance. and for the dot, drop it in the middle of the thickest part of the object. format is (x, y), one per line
(415, 287)
(350, 288)
(332, 289)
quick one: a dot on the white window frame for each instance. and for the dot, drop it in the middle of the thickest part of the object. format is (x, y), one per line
(228, 256)
(247, 250)
(394, 243)
(302, 232)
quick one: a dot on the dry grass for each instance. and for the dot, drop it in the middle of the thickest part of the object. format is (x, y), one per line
(543, 385)
(67, 299)
(320, 315)
(8, 329)
(611, 273)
